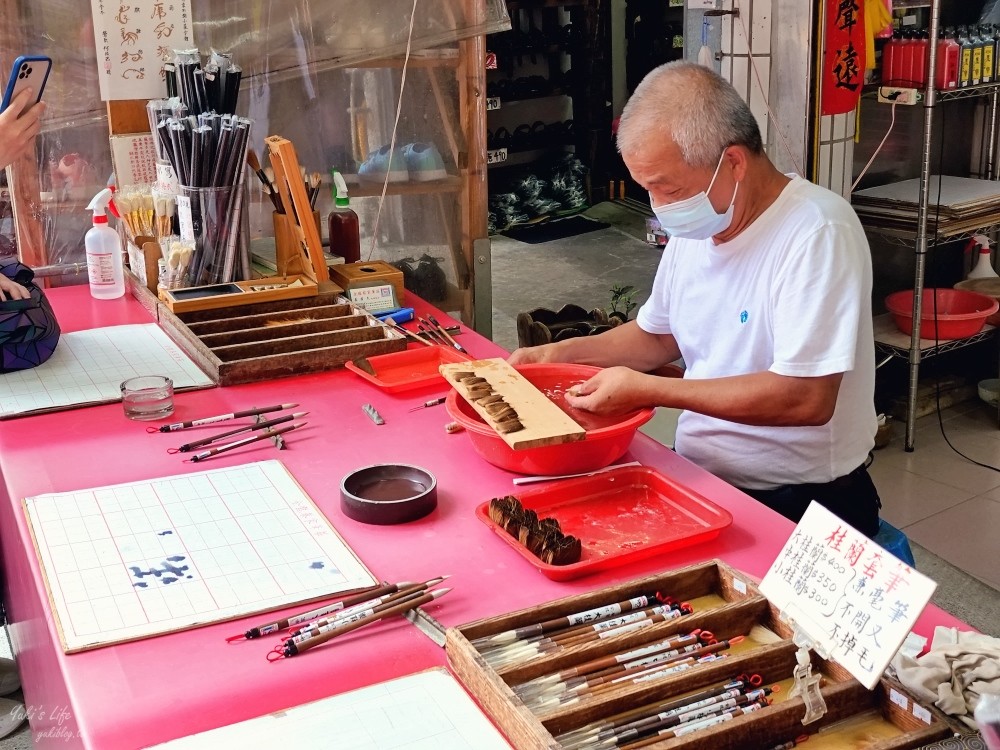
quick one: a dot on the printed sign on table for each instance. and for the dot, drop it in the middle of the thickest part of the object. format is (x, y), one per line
(133, 41)
(854, 599)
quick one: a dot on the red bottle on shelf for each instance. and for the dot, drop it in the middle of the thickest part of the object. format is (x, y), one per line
(891, 60)
(946, 75)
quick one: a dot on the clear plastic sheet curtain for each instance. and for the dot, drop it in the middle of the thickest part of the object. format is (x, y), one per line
(312, 73)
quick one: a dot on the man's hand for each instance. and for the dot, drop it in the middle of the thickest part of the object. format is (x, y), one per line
(616, 390)
(19, 124)
(10, 289)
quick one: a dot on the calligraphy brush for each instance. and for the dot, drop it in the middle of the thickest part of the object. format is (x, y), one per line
(291, 648)
(599, 665)
(659, 672)
(315, 180)
(683, 716)
(270, 433)
(229, 433)
(406, 332)
(254, 163)
(582, 634)
(383, 600)
(611, 673)
(692, 726)
(600, 730)
(448, 336)
(547, 626)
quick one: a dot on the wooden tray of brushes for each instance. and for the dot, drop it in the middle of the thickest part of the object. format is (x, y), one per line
(273, 339)
(545, 691)
(520, 413)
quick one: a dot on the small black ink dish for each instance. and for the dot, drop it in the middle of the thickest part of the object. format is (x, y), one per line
(387, 494)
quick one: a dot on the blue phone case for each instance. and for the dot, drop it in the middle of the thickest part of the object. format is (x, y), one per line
(17, 73)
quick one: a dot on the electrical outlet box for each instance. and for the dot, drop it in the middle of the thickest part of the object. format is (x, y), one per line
(890, 94)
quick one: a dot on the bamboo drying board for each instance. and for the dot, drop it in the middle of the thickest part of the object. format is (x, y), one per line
(544, 422)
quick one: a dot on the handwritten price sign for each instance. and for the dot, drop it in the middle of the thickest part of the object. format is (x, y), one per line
(854, 599)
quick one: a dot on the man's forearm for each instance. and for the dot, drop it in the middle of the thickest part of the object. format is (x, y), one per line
(626, 345)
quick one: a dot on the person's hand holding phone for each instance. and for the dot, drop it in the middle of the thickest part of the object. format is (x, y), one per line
(19, 124)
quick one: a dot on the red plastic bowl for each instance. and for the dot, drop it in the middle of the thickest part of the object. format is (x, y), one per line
(959, 313)
(606, 441)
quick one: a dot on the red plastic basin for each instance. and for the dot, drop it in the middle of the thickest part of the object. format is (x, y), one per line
(606, 441)
(959, 313)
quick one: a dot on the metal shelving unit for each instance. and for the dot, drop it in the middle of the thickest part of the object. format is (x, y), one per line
(925, 236)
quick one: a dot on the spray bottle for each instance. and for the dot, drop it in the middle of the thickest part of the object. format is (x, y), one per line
(104, 252)
(345, 230)
(983, 269)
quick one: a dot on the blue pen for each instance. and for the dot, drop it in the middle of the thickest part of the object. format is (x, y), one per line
(399, 315)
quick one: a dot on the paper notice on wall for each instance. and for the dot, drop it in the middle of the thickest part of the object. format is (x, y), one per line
(850, 596)
(134, 159)
(133, 41)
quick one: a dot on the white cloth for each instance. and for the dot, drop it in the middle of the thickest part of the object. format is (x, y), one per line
(959, 667)
(790, 294)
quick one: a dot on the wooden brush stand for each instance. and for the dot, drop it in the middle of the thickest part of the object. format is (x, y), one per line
(286, 243)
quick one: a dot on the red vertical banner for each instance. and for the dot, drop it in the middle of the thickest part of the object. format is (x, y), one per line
(844, 56)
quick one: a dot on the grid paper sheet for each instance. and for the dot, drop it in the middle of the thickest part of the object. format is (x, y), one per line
(424, 711)
(88, 367)
(135, 560)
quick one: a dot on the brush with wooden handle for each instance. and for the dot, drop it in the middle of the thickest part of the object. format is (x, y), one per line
(254, 163)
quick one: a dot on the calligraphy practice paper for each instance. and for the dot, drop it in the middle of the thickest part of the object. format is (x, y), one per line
(89, 366)
(417, 712)
(135, 560)
(854, 599)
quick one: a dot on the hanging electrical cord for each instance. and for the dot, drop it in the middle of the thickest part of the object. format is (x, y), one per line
(395, 125)
(756, 74)
(937, 342)
(892, 122)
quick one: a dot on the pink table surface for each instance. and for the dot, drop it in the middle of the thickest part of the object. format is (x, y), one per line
(149, 691)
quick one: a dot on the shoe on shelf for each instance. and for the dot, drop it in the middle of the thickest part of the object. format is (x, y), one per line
(12, 715)
(10, 681)
(424, 162)
(379, 162)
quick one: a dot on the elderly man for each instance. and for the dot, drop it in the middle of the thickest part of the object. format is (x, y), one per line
(765, 291)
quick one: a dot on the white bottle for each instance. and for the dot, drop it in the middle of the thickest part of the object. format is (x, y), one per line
(104, 252)
(984, 265)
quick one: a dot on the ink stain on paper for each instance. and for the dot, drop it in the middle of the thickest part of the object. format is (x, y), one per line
(164, 533)
(318, 565)
(168, 573)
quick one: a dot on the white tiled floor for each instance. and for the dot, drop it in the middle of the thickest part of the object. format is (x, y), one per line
(942, 501)
(945, 502)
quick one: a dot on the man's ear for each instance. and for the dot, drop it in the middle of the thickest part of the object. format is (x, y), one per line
(738, 158)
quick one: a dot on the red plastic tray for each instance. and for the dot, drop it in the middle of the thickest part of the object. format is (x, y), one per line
(408, 369)
(620, 516)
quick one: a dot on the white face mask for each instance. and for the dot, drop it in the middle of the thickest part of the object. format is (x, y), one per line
(695, 218)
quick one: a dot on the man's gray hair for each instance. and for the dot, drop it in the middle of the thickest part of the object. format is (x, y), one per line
(693, 106)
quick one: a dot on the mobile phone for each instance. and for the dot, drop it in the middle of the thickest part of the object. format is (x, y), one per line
(28, 70)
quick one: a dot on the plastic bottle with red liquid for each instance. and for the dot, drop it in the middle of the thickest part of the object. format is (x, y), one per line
(946, 75)
(890, 59)
(918, 60)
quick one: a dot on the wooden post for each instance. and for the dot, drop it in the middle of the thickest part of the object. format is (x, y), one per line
(472, 114)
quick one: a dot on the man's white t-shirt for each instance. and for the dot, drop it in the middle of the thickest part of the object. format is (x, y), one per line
(790, 294)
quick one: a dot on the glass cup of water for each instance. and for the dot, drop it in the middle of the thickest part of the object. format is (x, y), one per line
(148, 397)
